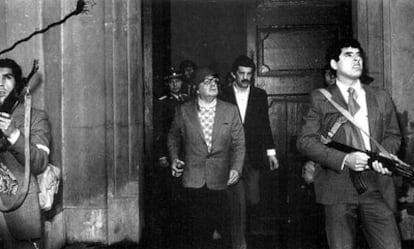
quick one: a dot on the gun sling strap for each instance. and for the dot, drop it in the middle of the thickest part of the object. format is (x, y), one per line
(356, 177)
(348, 116)
(399, 167)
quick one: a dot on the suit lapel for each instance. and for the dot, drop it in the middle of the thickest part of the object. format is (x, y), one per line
(193, 116)
(338, 97)
(372, 110)
(232, 95)
(250, 102)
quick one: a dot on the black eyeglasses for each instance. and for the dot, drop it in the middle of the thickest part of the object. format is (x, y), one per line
(210, 81)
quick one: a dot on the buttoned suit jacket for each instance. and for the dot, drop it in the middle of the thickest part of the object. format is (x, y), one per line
(227, 150)
(332, 184)
(256, 125)
(24, 222)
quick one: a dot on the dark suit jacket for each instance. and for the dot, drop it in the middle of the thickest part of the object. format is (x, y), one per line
(256, 125)
(25, 221)
(332, 185)
(227, 151)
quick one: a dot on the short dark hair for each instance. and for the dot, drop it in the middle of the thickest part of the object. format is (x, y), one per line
(243, 61)
(335, 50)
(16, 71)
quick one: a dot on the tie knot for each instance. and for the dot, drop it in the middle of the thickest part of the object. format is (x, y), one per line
(353, 106)
(351, 91)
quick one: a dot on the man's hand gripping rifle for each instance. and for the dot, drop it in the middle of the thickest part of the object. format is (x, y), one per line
(392, 163)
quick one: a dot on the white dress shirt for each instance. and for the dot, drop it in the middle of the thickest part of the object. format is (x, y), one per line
(242, 98)
(361, 117)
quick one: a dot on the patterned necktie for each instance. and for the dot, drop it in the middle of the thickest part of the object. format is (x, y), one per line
(353, 106)
(206, 116)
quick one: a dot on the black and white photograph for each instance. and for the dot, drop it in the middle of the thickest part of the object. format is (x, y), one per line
(206, 124)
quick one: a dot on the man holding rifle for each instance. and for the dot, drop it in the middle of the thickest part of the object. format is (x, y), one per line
(350, 191)
(20, 227)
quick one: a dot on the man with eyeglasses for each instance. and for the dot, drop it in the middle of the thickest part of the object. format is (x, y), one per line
(210, 134)
(260, 148)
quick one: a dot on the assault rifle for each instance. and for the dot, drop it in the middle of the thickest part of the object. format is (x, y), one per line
(395, 165)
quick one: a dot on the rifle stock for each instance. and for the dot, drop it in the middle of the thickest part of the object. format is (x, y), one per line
(397, 167)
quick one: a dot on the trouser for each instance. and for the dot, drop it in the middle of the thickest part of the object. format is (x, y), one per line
(245, 192)
(205, 209)
(377, 220)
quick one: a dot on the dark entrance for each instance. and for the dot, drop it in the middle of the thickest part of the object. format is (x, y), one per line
(289, 39)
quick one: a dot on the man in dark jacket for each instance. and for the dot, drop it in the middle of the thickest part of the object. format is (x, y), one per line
(260, 149)
(338, 181)
(21, 227)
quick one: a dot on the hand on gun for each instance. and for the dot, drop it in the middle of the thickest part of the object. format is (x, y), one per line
(357, 161)
(378, 167)
(360, 161)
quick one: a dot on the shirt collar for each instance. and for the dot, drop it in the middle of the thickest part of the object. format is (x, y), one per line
(237, 90)
(205, 104)
(344, 88)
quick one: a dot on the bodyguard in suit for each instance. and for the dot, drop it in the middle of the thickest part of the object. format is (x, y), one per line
(212, 138)
(20, 228)
(345, 203)
(260, 149)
